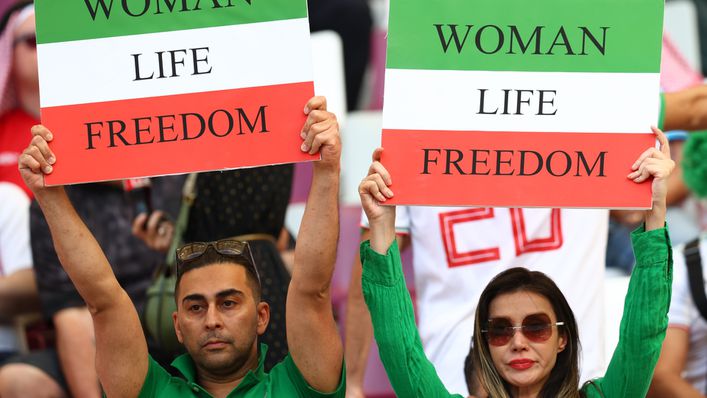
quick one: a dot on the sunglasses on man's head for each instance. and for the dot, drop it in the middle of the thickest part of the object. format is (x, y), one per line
(230, 248)
(28, 39)
(536, 328)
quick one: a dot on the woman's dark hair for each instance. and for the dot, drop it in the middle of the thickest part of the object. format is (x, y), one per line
(13, 9)
(564, 377)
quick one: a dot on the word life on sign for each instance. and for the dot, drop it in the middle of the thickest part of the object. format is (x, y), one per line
(136, 88)
(521, 104)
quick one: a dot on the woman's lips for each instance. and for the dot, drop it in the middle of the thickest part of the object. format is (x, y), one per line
(521, 364)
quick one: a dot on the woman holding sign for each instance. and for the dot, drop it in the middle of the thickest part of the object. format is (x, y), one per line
(525, 335)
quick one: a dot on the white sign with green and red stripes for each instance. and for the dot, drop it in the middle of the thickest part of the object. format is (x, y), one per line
(151, 87)
(517, 103)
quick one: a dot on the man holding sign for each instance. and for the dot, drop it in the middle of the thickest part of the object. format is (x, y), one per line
(219, 313)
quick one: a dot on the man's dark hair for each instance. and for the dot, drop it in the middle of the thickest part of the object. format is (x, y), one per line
(13, 9)
(212, 257)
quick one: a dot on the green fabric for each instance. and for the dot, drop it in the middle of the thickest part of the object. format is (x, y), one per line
(694, 167)
(284, 380)
(642, 330)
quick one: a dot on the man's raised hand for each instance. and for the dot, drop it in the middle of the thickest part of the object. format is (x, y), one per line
(37, 160)
(321, 132)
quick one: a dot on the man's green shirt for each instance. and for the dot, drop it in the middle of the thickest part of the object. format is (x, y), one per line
(283, 380)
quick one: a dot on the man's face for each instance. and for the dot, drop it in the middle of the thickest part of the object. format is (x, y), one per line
(217, 318)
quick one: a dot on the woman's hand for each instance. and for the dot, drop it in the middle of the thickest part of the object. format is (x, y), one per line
(374, 191)
(655, 163)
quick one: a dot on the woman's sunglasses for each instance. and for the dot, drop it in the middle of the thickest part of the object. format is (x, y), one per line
(28, 39)
(536, 328)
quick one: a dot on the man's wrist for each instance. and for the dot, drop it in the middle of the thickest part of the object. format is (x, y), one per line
(323, 166)
(48, 192)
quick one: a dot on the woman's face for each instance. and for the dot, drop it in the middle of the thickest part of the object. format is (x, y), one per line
(525, 362)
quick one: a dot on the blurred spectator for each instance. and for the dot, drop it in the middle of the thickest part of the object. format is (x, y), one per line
(351, 19)
(18, 291)
(108, 214)
(105, 209)
(619, 254)
(19, 88)
(681, 111)
(682, 368)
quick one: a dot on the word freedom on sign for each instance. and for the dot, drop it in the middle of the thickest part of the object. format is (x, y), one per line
(169, 128)
(502, 162)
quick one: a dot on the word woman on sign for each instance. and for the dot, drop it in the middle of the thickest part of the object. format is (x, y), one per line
(492, 39)
(156, 7)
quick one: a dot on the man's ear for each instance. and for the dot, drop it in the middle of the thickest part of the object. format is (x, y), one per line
(177, 329)
(263, 313)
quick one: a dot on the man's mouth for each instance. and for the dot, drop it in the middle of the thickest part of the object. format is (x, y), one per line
(214, 344)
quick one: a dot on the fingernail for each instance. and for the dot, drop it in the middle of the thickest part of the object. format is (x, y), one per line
(303, 135)
(306, 110)
(51, 160)
(48, 169)
(304, 148)
(389, 193)
(50, 137)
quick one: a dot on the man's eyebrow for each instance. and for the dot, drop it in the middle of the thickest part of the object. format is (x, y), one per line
(220, 295)
(194, 297)
(229, 292)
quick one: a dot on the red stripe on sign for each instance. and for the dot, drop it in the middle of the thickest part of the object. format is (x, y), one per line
(512, 169)
(178, 134)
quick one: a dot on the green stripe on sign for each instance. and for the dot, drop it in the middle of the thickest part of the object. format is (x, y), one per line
(522, 35)
(67, 20)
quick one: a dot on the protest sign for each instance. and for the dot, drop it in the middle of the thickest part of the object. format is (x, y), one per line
(515, 103)
(137, 88)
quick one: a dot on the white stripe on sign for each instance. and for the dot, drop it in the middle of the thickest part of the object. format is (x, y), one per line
(252, 55)
(550, 102)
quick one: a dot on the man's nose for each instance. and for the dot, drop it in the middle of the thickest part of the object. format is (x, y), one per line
(213, 318)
